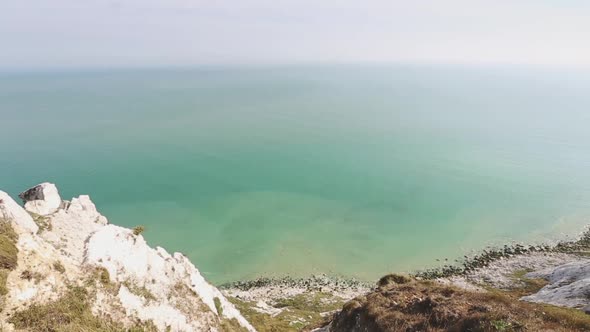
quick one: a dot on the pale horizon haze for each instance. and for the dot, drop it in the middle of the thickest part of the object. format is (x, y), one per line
(72, 34)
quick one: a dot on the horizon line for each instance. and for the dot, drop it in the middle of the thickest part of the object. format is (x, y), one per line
(270, 65)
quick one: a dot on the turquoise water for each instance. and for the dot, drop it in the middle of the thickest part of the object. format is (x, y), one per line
(347, 170)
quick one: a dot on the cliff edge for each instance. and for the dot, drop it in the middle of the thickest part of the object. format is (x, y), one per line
(63, 265)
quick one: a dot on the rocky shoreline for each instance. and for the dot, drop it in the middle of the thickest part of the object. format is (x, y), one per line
(63, 264)
(557, 274)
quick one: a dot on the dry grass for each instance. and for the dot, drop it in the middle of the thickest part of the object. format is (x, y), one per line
(3, 278)
(8, 253)
(391, 279)
(428, 306)
(32, 275)
(59, 267)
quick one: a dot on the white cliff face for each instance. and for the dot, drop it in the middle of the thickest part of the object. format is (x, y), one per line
(146, 284)
(128, 258)
(21, 220)
(569, 285)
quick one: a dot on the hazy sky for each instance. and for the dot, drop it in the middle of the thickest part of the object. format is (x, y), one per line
(58, 33)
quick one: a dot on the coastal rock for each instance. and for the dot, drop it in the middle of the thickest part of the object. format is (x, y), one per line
(499, 274)
(61, 246)
(42, 199)
(129, 259)
(569, 285)
(14, 213)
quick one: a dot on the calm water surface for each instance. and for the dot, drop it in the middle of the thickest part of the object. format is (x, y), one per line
(354, 171)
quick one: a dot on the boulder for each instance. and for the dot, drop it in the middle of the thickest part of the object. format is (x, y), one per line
(42, 199)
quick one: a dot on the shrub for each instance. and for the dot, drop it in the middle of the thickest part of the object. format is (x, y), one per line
(138, 230)
(103, 275)
(393, 279)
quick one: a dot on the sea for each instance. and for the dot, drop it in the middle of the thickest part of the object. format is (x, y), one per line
(344, 170)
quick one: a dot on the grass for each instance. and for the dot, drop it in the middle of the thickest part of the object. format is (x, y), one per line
(43, 222)
(218, 306)
(232, 325)
(527, 286)
(70, 313)
(8, 254)
(300, 313)
(140, 291)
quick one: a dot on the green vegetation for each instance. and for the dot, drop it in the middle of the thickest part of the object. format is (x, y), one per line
(103, 275)
(8, 250)
(301, 312)
(140, 291)
(138, 230)
(526, 286)
(43, 222)
(502, 325)
(231, 325)
(182, 290)
(69, 313)
(8, 254)
(218, 306)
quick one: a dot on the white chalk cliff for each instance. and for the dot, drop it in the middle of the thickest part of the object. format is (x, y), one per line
(173, 297)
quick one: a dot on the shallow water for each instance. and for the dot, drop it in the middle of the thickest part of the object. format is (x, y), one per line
(345, 170)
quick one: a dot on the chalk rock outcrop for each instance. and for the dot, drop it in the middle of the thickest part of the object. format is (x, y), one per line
(569, 285)
(64, 244)
(42, 199)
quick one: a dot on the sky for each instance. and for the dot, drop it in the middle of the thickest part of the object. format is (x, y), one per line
(130, 33)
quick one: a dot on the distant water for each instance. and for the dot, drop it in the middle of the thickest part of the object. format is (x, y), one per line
(354, 171)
